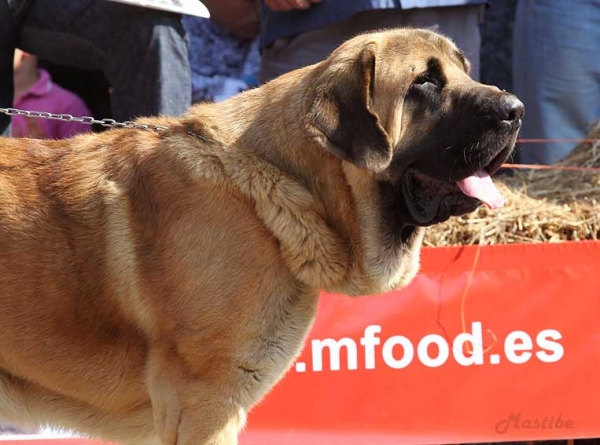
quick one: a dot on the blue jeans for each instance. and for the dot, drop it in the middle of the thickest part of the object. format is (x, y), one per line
(142, 52)
(556, 73)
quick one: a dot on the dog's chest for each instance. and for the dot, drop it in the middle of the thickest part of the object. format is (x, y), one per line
(285, 323)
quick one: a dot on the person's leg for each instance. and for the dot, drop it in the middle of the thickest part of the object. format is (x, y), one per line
(460, 23)
(143, 52)
(305, 49)
(556, 74)
(7, 49)
(524, 73)
(314, 46)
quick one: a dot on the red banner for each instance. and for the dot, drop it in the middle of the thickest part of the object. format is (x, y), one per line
(491, 344)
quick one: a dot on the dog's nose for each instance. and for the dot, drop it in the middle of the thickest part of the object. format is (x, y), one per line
(509, 108)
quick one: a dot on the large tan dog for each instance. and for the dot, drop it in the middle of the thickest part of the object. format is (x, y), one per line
(154, 285)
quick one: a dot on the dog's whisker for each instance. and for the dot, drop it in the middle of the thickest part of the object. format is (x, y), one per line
(445, 150)
(451, 170)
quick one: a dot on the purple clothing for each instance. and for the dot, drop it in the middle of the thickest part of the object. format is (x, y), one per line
(46, 96)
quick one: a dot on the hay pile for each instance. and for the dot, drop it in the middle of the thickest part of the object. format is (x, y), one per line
(541, 206)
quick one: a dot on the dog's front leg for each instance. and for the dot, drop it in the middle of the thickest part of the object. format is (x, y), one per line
(208, 426)
(190, 410)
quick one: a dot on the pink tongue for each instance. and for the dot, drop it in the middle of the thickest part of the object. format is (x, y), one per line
(480, 186)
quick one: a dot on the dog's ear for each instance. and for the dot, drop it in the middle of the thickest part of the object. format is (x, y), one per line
(340, 117)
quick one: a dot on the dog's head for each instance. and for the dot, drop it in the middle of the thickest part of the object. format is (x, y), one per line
(402, 106)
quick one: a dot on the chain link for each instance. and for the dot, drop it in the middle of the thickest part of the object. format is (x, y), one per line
(82, 120)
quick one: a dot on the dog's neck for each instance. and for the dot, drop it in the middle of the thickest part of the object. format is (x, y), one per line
(267, 124)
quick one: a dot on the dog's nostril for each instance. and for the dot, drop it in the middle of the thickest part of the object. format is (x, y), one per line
(503, 108)
(511, 108)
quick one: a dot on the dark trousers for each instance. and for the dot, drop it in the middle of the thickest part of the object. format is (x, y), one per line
(143, 53)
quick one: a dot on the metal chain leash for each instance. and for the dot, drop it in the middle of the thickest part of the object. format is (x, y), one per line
(82, 120)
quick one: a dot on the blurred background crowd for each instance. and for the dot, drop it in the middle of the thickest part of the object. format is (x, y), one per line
(111, 60)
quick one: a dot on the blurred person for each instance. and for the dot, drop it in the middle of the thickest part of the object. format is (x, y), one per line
(224, 55)
(296, 33)
(556, 73)
(240, 17)
(35, 90)
(90, 85)
(142, 52)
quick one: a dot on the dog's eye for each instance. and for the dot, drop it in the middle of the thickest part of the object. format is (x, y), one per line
(425, 80)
